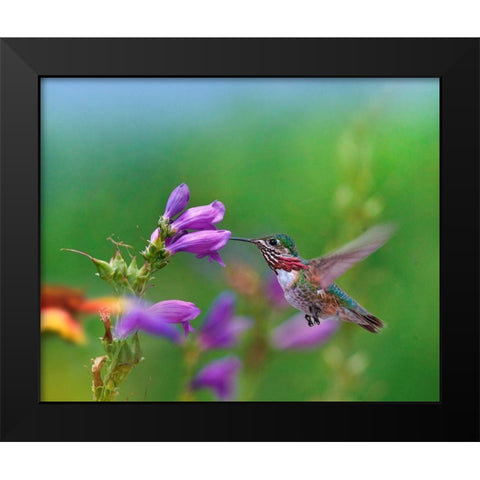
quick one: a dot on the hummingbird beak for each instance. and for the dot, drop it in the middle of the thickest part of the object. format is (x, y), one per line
(239, 239)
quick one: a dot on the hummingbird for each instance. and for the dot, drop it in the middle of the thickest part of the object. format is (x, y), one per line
(308, 285)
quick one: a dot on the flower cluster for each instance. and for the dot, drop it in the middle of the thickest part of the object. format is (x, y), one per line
(220, 329)
(178, 230)
(193, 231)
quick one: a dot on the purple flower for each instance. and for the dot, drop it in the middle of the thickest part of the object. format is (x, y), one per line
(157, 319)
(219, 376)
(177, 201)
(177, 311)
(221, 328)
(200, 218)
(173, 239)
(274, 292)
(296, 334)
(204, 243)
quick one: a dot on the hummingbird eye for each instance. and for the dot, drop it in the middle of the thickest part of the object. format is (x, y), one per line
(273, 241)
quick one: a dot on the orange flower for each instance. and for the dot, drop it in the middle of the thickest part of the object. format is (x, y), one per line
(61, 306)
(62, 322)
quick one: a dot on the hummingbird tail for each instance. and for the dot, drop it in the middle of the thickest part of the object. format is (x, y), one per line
(372, 323)
(363, 319)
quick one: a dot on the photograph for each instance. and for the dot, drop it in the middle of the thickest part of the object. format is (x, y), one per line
(248, 239)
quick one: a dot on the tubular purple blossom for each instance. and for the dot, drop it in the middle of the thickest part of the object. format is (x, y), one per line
(220, 328)
(203, 243)
(177, 201)
(200, 218)
(219, 376)
(294, 334)
(177, 311)
(157, 319)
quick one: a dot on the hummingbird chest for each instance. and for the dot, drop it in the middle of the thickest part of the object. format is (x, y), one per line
(287, 279)
(303, 295)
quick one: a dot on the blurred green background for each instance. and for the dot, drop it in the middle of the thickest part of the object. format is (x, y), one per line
(318, 159)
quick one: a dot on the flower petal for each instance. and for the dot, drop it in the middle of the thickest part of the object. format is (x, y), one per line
(203, 243)
(130, 321)
(225, 336)
(219, 376)
(212, 257)
(200, 218)
(177, 201)
(296, 334)
(157, 319)
(220, 328)
(111, 304)
(175, 311)
(187, 328)
(60, 321)
(173, 239)
(59, 296)
(156, 326)
(274, 292)
(221, 311)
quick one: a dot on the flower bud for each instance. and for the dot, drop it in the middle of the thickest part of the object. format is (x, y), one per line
(177, 201)
(132, 271)
(105, 270)
(155, 235)
(119, 268)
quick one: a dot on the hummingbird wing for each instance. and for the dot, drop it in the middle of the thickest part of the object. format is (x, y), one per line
(324, 270)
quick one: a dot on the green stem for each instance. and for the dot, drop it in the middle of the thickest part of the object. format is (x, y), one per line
(107, 394)
(191, 355)
(258, 350)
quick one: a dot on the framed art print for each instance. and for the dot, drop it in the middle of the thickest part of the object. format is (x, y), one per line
(239, 239)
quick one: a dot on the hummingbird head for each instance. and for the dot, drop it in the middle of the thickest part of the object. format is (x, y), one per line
(278, 250)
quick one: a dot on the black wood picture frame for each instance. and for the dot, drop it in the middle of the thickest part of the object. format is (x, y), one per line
(25, 61)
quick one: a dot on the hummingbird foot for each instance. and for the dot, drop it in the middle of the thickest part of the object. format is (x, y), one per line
(308, 318)
(314, 313)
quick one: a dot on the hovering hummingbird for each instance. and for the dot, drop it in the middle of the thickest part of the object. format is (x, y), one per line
(308, 284)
